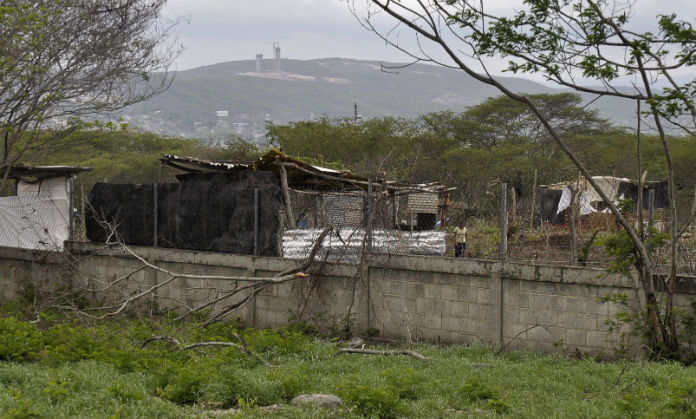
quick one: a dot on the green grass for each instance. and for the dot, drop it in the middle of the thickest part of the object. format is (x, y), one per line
(66, 369)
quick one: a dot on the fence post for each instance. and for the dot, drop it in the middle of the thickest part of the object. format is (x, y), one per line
(503, 222)
(370, 220)
(534, 192)
(156, 209)
(651, 206)
(71, 208)
(256, 221)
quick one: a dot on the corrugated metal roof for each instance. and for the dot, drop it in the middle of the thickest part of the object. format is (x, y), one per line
(300, 174)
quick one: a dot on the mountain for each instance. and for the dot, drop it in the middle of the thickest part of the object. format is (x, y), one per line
(213, 101)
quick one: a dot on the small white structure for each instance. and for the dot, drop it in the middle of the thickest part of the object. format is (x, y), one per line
(39, 217)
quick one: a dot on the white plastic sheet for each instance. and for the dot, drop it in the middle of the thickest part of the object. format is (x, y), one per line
(38, 218)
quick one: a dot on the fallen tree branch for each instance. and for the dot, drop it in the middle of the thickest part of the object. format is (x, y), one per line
(242, 347)
(376, 352)
(167, 339)
(288, 275)
(502, 348)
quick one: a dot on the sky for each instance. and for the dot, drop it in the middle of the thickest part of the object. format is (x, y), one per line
(216, 31)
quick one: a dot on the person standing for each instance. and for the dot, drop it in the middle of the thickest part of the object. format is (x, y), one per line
(459, 240)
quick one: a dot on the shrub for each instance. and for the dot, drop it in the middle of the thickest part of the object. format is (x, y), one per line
(474, 389)
(405, 382)
(370, 401)
(19, 341)
(186, 386)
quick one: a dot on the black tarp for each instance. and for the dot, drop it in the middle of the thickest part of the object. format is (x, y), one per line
(548, 204)
(212, 211)
(629, 190)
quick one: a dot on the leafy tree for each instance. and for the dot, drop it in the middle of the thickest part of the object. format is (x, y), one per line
(564, 40)
(65, 59)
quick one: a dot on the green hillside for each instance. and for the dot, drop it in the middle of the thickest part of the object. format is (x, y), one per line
(305, 90)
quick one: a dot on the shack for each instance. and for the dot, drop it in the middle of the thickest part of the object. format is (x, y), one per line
(40, 215)
(554, 200)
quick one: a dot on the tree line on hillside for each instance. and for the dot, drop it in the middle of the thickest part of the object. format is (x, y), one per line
(499, 140)
(496, 141)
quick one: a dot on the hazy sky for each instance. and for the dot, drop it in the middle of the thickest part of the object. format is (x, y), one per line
(228, 30)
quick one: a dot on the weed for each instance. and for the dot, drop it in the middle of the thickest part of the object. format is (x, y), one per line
(369, 401)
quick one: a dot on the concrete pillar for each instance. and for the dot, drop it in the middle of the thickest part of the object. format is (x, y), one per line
(496, 303)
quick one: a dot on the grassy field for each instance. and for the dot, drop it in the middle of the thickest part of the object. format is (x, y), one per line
(63, 368)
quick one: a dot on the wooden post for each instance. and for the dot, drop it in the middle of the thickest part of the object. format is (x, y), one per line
(154, 217)
(573, 232)
(286, 196)
(639, 207)
(639, 204)
(651, 206)
(83, 226)
(71, 207)
(256, 221)
(503, 222)
(370, 219)
(534, 193)
(513, 194)
(316, 211)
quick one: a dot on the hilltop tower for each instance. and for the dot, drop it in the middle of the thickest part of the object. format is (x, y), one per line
(276, 56)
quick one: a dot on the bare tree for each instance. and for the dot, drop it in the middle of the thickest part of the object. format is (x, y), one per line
(566, 41)
(61, 60)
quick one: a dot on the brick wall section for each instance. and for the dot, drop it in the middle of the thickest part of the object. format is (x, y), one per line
(343, 210)
(422, 202)
(435, 299)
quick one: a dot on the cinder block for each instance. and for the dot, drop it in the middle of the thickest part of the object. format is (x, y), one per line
(545, 302)
(381, 315)
(478, 281)
(477, 311)
(413, 289)
(510, 314)
(597, 339)
(484, 328)
(574, 304)
(540, 334)
(511, 284)
(450, 323)
(556, 334)
(455, 308)
(598, 308)
(398, 303)
(483, 296)
(511, 330)
(396, 287)
(431, 291)
(466, 293)
(424, 305)
(538, 287)
(515, 298)
(447, 292)
(527, 316)
(433, 320)
(468, 325)
(568, 320)
(575, 337)
(588, 321)
(581, 290)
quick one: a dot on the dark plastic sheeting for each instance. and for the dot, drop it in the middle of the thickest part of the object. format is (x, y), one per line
(205, 211)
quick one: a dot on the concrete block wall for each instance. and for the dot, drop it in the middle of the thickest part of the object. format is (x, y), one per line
(404, 297)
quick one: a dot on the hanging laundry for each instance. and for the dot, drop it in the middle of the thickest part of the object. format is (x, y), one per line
(564, 202)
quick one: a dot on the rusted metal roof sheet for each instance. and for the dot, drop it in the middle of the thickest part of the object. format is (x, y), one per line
(20, 170)
(302, 175)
